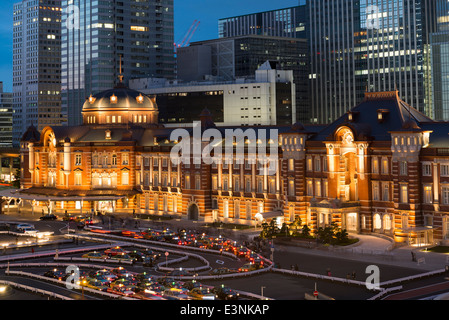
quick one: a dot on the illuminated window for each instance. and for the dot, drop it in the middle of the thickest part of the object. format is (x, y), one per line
(138, 28)
(125, 178)
(78, 179)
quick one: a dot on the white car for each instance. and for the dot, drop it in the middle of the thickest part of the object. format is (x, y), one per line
(29, 230)
(24, 225)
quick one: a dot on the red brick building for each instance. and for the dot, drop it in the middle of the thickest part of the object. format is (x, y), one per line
(383, 167)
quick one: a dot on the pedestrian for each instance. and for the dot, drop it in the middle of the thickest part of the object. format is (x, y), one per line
(296, 267)
(353, 275)
(413, 257)
(32, 250)
(348, 276)
(329, 274)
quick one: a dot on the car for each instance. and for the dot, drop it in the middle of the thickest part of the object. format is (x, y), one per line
(24, 225)
(189, 285)
(123, 257)
(225, 293)
(137, 255)
(219, 271)
(109, 276)
(55, 274)
(115, 251)
(129, 283)
(148, 295)
(248, 267)
(153, 254)
(122, 272)
(94, 283)
(94, 255)
(49, 216)
(179, 273)
(132, 234)
(202, 293)
(121, 290)
(148, 262)
(176, 294)
(28, 231)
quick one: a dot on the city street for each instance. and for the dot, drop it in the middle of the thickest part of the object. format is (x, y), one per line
(275, 285)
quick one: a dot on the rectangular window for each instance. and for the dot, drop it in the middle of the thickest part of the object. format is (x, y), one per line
(78, 179)
(291, 188)
(317, 164)
(403, 194)
(375, 191)
(375, 166)
(125, 178)
(214, 182)
(445, 195)
(427, 194)
(77, 160)
(309, 188)
(291, 164)
(386, 192)
(403, 168)
(125, 159)
(317, 188)
(384, 166)
(444, 170)
(198, 182)
(426, 169)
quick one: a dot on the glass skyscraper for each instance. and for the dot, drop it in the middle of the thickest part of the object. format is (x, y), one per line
(100, 39)
(36, 66)
(439, 41)
(369, 45)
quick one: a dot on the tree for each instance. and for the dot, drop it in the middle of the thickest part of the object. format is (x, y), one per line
(305, 231)
(296, 224)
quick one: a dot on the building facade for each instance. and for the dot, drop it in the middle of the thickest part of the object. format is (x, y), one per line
(238, 57)
(6, 113)
(267, 98)
(286, 22)
(383, 167)
(36, 65)
(101, 39)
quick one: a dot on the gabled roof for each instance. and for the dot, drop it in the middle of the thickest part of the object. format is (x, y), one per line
(397, 116)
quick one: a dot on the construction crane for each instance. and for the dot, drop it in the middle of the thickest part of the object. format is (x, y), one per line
(188, 36)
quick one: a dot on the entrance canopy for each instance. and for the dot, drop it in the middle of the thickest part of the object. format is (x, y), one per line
(68, 195)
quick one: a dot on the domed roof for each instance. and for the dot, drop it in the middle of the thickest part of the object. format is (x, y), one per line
(119, 98)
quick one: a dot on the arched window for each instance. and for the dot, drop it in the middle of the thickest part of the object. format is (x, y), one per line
(377, 222)
(387, 222)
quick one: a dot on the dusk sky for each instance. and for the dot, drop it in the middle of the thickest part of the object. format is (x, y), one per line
(208, 12)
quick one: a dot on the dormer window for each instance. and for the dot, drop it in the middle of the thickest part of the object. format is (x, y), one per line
(108, 134)
(113, 98)
(381, 114)
(352, 115)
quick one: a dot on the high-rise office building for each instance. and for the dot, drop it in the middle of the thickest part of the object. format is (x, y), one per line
(36, 65)
(286, 22)
(5, 118)
(439, 41)
(357, 46)
(231, 58)
(103, 39)
(369, 45)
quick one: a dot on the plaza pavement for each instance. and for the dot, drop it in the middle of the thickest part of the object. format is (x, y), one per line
(370, 248)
